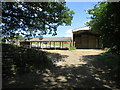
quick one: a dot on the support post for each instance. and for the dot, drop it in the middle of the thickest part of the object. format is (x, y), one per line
(62, 44)
(54, 44)
(37, 44)
(50, 44)
(30, 44)
(46, 44)
(70, 44)
(40, 44)
(73, 43)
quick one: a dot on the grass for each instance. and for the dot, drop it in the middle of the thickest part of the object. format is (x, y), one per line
(72, 48)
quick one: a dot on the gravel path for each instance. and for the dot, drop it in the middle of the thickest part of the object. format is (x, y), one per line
(72, 69)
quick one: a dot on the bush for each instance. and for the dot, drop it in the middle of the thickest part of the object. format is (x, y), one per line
(72, 48)
(18, 60)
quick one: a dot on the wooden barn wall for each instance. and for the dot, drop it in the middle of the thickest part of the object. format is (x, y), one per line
(87, 41)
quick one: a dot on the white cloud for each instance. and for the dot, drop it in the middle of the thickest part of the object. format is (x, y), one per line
(69, 33)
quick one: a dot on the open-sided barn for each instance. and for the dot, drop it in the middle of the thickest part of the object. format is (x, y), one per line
(84, 38)
(47, 42)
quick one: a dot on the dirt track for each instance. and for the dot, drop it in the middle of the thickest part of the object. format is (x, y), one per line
(79, 68)
(71, 57)
(72, 69)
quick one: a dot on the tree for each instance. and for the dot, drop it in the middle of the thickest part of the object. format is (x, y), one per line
(19, 37)
(34, 18)
(105, 21)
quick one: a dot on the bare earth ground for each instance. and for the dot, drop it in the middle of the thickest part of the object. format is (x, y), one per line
(72, 69)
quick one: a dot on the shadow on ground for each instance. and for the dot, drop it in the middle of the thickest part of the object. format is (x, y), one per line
(88, 76)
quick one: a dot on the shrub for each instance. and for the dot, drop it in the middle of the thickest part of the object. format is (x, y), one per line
(18, 60)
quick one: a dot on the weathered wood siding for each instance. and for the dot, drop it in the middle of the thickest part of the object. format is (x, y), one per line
(87, 41)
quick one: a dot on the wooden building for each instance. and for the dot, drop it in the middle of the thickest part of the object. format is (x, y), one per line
(47, 42)
(84, 38)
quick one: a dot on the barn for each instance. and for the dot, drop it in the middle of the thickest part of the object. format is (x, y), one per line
(84, 38)
(47, 42)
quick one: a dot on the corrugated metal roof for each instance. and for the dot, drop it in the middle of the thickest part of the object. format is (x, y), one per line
(52, 39)
(82, 28)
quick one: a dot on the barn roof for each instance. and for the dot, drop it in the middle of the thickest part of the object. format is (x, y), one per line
(51, 39)
(80, 29)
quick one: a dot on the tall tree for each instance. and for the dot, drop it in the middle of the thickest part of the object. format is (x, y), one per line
(34, 18)
(105, 21)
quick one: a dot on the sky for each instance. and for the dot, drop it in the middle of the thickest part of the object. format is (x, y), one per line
(79, 18)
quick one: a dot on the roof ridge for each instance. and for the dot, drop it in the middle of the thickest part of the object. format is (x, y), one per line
(52, 37)
(82, 27)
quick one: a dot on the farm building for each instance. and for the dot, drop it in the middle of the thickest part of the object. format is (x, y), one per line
(48, 42)
(84, 38)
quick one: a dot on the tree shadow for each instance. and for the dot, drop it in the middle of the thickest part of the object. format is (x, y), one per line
(19, 60)
(86, 76)
(56, 57)
(101, 71)
(19, 63)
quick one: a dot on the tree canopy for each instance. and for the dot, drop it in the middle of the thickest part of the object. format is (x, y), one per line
(34, 18)
(105, 20)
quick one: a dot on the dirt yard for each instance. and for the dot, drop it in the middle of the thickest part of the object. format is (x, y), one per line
(71, 69)
(71, 57)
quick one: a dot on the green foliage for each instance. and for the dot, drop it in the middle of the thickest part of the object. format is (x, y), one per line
(34, 18)
(105, 21)
(72, 48)
(19, 37)
(17, 60)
